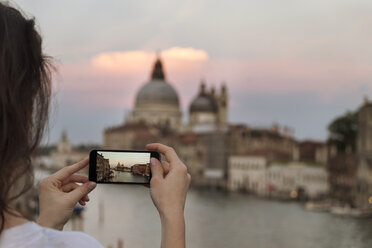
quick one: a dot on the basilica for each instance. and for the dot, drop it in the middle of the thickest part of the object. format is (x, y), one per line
(157, 103)
(206, 140)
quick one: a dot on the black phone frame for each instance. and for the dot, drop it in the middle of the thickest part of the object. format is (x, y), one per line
(93, 164)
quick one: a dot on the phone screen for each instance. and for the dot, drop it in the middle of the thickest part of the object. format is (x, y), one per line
(115, 166)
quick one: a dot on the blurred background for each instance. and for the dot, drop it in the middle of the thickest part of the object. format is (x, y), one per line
(266, 102)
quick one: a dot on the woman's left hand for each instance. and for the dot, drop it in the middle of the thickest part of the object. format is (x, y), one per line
(59, 194)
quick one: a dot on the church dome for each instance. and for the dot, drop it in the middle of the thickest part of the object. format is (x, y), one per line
(204, 102)
(157, 90)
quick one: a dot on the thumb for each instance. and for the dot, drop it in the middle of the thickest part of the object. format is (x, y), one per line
(156, 168)
(82, 190)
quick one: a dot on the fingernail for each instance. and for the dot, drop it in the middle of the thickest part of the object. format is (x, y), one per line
(91, 185)
(153, 161)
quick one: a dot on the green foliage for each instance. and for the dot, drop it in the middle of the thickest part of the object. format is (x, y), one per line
(343, 132)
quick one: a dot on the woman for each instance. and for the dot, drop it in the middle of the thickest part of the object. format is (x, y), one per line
(25, 87)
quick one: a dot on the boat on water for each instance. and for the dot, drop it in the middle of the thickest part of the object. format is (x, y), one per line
(347, 211)
(343, 211)
(323, 206)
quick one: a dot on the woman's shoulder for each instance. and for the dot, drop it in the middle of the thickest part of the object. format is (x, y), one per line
(70, 238)
(32, 235)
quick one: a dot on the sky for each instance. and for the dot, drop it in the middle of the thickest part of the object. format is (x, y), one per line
(293, 62)
(127, 158)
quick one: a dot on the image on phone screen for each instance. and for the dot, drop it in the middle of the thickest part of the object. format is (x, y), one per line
(121, 166)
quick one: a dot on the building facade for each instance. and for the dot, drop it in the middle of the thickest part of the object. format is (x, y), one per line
(206, 141)
(273, 143)
(247, 173)
(104, 173)
(293, 180)
(297, 180)
(313, 152)
(342, 169)
(364, 157)
(141, 169)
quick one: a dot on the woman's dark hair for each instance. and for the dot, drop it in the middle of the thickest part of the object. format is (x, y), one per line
(25, 89)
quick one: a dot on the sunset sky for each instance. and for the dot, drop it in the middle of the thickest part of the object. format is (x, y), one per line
(293, 62)
(128, 158)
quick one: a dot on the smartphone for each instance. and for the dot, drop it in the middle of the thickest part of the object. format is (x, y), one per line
(120, 166)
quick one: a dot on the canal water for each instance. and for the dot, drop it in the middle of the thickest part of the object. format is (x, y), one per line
(219, 220)
(120, 176)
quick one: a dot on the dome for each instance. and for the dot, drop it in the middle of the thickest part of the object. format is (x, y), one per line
(203, 103)
(157, 90)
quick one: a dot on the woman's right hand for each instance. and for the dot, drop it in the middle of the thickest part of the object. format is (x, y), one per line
(168, 188)
(59, 193)
(170, 181)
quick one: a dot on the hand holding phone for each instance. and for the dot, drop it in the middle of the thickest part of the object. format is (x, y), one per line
(168, 189)
(170, 181)
(59, 193)
(120, 166)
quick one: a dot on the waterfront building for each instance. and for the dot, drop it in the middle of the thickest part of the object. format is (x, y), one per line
(214, 172)
(205, 155)
(364, 157)
(314, 181)
(103, 170)
(273, 143)
(130, 135)
(342, 168)
(141, 169)
(247, 173)
(279, 180)
(283, 180)
(311, 151)
(297, 180)
(206, 140)
(192, 151)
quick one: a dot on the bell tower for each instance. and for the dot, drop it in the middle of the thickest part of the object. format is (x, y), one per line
(222, 101)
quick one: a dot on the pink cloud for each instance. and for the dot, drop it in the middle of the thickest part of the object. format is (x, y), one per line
(134, 62)
(108, 76)
(124, 63)
(113, 79)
